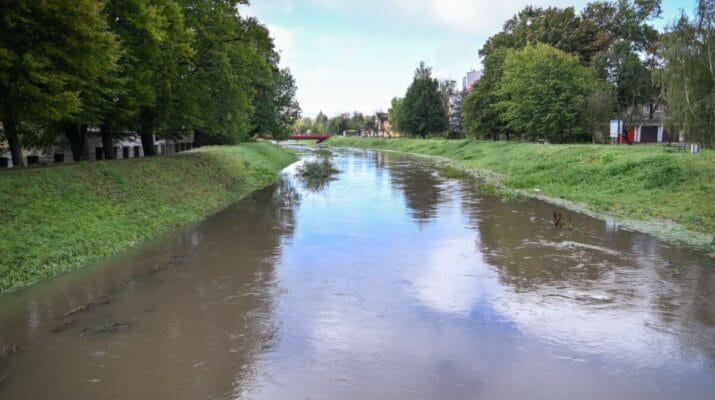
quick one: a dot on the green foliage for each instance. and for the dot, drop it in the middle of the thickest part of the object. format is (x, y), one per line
(317, 169)
(60, 218)
(51, 56)
(480, 116)
(620, 180)
(396, 115)
(161, 68)
(423, 110)
(690, 77)
(545, 93)
(612, 37)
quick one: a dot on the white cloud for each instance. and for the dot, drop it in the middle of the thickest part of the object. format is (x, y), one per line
(284, 39)
(470, 16)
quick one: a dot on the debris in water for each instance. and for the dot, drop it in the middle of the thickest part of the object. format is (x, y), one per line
(61, 327)
(7, 349)
(558, 220)
(83, 308)
(109, 327)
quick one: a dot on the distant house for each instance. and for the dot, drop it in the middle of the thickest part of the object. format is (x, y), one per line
(384, 128)
(129, 146)
(648, 126)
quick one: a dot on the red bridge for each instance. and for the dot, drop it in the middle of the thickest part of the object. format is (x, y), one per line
(299, 136)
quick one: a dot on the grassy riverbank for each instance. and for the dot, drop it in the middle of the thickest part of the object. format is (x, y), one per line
(643, 182)
(59, 218)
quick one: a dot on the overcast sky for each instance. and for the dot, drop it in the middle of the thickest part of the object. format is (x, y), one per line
(358, 54)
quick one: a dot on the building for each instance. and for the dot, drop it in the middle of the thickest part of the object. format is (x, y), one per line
(648, 126)
(384, 128)
(471, 79)
(454, 112)
(129, 146)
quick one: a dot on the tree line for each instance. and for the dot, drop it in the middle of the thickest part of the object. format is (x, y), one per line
(337, 124)
(154, 68)
(558, 75)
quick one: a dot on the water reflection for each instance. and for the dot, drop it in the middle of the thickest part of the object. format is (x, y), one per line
(421, 187)
(189, 318)
(390, 282)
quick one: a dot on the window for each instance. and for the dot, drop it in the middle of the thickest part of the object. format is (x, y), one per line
(98, 153)
(33, 160)
(136, 152)
(59, 158)
(125, 152)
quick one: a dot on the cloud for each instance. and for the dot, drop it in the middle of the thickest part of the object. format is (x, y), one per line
(284, 39)
(470, 16)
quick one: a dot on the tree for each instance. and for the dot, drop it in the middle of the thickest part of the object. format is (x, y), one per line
(339, 124)
(321, 123)
(423, 110)
(690, 75)
(545, 93)
(303, 125)
(51, 53)
(395, 114)
(480, 117)
(275, 106)
(623, 26)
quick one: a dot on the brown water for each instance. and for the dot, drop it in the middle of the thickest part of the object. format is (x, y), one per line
(387, 283)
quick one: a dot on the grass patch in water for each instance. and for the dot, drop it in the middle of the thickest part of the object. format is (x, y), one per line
(316, 174)
(59, 218)
(317, 169)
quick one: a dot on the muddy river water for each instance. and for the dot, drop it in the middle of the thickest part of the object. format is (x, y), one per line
(389, 282)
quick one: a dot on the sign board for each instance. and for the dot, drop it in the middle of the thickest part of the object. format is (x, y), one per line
(615, 125)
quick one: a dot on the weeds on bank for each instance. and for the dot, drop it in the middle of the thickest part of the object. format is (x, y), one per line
(633, 182)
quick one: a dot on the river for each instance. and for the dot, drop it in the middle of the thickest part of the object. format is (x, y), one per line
(389, 282)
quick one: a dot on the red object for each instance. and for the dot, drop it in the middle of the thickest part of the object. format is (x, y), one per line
(308, 137)
(631, 133)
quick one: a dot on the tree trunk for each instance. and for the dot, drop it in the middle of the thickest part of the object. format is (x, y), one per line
(10, 127)
(77, 136)
(107, 142)
(147, 132)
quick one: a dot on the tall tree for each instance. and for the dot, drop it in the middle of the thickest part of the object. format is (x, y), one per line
(690, 74)
(480, 116)
(51, 53)
(321, 123)
(532, 77)
(396, 114)
(423, 108)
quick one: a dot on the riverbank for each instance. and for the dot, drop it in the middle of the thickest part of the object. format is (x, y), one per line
(648, 188)
(60, 218)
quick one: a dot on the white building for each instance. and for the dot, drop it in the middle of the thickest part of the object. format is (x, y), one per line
(468, 82)
(129, 146)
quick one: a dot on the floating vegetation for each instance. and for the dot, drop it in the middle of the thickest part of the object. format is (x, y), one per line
(316, 173)
(558, 221)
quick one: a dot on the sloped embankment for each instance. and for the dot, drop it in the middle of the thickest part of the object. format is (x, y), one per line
(657, 190)
(59, 218)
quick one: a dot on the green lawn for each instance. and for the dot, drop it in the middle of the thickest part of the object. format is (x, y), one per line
(639, 182)
(58, 218)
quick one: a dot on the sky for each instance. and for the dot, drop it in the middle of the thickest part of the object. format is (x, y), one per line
(356, 55)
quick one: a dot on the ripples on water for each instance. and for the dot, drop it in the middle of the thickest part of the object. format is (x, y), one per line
(388, 282)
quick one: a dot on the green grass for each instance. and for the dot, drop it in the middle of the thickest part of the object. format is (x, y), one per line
(59, 218)
(640, 182)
